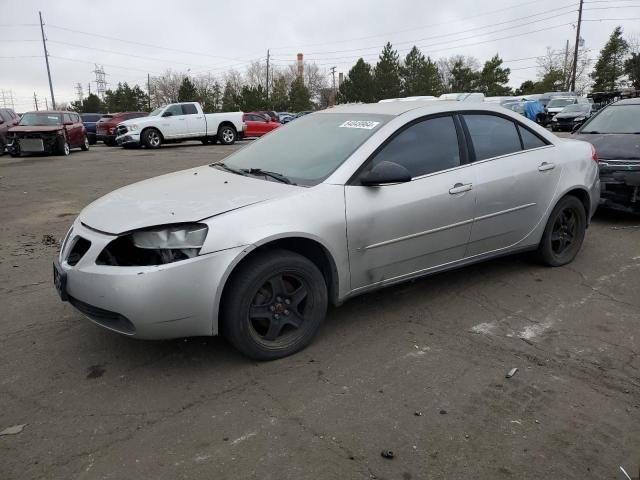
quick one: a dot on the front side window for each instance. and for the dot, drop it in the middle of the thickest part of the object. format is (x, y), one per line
(492, 136)
(189, 109)
(175, 110)
(426, 147)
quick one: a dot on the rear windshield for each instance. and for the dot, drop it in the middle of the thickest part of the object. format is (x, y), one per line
(615, 119)
(105, 118)
(41, 119)
(308, 150)
(90, 117)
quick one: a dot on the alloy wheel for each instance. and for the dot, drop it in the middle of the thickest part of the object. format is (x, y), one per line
(564, 231)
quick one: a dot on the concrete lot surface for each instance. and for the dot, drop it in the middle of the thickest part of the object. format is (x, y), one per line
(418, 369)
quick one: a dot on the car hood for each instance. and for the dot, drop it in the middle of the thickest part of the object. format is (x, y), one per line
(611, 146)
(35, 128)
(571, 114)
(139, 120)
(186, 196)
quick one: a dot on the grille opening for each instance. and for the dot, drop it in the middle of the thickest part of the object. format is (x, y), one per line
(122, 252)
(78, 250)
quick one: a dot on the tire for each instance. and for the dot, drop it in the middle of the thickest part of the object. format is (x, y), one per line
(227, 135)
(273, 305)
(63, 147)
(85, 144)
(151, 138)
(564, 233)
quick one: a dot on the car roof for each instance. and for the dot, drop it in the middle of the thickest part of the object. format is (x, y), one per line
(51, 111)
(628, 101)
(398, 108)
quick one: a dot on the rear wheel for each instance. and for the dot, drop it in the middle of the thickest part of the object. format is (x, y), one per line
(151, 138)
(274, 305)
(85, 144)
(227, 135)
(564, 233)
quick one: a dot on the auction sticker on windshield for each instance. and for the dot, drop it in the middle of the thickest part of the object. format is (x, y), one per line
(364, 124)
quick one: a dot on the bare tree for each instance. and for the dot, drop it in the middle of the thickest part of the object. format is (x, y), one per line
(315, 79)
(164, 88)
(256, 74)
(562, 61)
(445, 66)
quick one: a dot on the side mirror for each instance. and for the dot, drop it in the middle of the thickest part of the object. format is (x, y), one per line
(167, 114)
(386, 173)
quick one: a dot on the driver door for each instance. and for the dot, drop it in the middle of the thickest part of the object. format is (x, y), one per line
(399, 230)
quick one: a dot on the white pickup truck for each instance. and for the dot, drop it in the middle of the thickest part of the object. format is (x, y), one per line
(180, 121)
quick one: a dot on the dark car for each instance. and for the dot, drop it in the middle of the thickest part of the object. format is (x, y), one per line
(90, 120)
(106, 126)
(548, 96)
(571, 116)
(8, 119)
(47, 132)
(615, 133)
(274, 116)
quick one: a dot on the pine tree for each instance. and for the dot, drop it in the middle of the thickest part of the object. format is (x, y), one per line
(463, 78)
(230, 99)
(358, 86)
(632, 68)
(279, 99)
(493, 78)
(420, 75)
(252, 98)
(187, 92)
(299, 96)
(610, 65)
(386, 76)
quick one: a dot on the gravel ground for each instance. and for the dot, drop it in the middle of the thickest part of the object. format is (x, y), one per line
(418, 369)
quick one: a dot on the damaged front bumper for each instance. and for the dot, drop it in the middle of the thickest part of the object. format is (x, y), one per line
(150, 302)
(620, 184)
(129, 139)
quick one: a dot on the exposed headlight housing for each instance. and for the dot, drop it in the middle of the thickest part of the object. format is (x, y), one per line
(155, 246)
(554, 119)
(174, 236)
(133, 127)
(578, 119)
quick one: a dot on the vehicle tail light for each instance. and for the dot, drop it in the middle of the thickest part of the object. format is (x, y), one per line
(594, 154)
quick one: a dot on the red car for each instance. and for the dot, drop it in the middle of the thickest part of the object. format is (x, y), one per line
(8, 119)
(106, 126)
(258, 124)
(48, 132)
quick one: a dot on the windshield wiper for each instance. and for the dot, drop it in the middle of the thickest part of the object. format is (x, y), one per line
(276, 176)
(230, 169)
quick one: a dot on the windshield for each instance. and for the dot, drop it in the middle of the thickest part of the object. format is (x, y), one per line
(615, 119)
(156, 112)
(578, 107)
(560, 102)
(308, 150)
(37, 119)
(517, 107)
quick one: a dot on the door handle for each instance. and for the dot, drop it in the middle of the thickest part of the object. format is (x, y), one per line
(460, 188)
(544, 166)
(183, 119)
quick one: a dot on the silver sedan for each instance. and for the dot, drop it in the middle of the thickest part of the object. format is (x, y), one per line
(335, 204)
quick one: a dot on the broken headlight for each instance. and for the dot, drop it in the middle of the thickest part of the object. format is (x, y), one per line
(155, 246)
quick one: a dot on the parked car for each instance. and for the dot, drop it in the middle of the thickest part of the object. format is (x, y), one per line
(54, 131)
(571, 116)
(557, 104)
(531, 109)
(545, 98)
(615, 133)
(338, 203)
(106, 126)
(89, 120)
(258, 125)
(8, 119)
(285, 117)
(298, 115)
(273, 116)
(181, 121)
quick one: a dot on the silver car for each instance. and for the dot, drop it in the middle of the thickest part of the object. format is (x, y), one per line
(335, 204)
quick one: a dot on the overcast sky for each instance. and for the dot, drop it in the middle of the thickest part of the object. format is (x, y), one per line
(211, 36)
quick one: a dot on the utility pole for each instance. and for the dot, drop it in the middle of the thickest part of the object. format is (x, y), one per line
(565, 69)
(46, 103)
(89, 87)
(46, 58)
(575, 51)
(101, 82)
(35, 100)
(267, 75)
(149, 92)
(79, 92)
(333, 76)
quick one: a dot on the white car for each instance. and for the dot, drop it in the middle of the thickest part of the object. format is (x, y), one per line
(181, 121)
(338, 203)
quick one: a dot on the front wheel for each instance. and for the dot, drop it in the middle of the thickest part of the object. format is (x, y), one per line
(564, 233)
(227, 135)
(63, 147)
(274, 305)
(85, 144)
(151, 138)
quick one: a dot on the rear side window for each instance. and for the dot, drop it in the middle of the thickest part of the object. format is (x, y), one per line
(530, 139)
(492, 136)
(67, 118)
(189, 109)
(425, 147)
